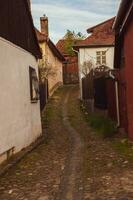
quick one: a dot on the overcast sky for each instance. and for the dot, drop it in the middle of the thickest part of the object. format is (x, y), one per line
(77, 15)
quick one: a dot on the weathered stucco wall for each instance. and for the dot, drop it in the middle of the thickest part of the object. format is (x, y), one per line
(86, 54)
(20, 121)
(56, 77)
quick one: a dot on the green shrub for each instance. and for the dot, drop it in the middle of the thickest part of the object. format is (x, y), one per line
(103, 125)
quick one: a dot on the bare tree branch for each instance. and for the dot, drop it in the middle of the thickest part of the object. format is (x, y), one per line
(87, 67)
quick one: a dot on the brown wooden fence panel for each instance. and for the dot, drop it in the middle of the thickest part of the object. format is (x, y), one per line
(111, 96)
(100, 93)
(43, 94)
(87, 87)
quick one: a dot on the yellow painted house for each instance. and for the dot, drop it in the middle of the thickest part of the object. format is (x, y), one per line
(52, 59)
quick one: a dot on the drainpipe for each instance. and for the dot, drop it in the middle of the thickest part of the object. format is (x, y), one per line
(81, 92)
(117, 98)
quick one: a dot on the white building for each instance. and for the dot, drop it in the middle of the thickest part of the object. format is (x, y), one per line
(98, 48)
(20, 122)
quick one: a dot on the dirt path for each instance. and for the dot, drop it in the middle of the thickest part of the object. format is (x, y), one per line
(73, 163)
(71, 186)
(108, 163)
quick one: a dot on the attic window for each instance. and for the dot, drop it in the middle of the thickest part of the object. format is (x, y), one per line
(101, 57)
(34, 85)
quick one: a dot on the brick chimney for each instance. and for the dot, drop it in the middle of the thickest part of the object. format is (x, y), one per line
(44, 25)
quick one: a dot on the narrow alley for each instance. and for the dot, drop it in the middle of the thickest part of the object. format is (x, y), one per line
(72, 163)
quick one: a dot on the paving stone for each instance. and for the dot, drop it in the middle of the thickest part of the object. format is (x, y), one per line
(44, 198)
(54, 169)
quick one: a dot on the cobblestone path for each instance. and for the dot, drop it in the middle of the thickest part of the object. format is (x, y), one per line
(73, 163)
(71, 186)
(53, 170)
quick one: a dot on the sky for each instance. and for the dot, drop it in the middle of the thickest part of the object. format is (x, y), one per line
(77, 15)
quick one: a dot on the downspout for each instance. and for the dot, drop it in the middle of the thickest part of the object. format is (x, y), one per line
(81, 92)
(117, 99)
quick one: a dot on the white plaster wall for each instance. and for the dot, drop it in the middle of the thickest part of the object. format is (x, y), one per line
(86, 54)
(20, 122)
(57, 79)
(56, 64)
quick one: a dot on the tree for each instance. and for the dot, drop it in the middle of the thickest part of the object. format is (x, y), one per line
(87, 67)
(71, 38)
(46, 70)
(87, 71)
(80, 35)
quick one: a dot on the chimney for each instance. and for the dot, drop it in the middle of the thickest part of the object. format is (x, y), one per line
(44, 25)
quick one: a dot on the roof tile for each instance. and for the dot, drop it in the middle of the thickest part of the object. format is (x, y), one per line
(102, 34)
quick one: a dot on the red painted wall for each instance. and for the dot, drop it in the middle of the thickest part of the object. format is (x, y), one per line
(122, 93)
(73, 64)
(128, 50)
(70, 70)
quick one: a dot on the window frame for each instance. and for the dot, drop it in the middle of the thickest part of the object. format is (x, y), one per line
(101, 58)
(33, 78)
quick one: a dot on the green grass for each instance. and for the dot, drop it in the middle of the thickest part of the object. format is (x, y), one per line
(124, 147)
(103, 125)
(46, 116)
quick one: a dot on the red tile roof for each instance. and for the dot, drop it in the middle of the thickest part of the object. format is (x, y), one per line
(106, 25)
(43, 38)
(55, 50)
(61, 45)
(102, 35)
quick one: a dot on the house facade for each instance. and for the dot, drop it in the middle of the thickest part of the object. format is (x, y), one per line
(20, 122)
(123, 27)
(70, 66)
(52, 59)
(97, 49)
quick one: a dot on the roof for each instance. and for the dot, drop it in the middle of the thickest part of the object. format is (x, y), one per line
(102, 35)
(18, 30)
(55, 50)
(61, 45)
(124, 12)
(40, 36)
(105, 24)
(28, 4)
(43, 38)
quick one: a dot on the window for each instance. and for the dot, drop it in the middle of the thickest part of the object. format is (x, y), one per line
(34, 85)
(101, 57)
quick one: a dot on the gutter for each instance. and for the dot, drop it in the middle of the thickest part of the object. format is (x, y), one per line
(126, 17)
(80, 80)
(117, 98)
(124, 5)
(94, 46)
